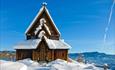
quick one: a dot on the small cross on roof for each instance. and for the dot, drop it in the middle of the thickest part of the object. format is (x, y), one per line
(44, 3)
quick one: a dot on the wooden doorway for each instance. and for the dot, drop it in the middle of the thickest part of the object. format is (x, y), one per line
(42, 53)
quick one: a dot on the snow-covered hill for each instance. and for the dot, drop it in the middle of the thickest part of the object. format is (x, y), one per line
(58, 64)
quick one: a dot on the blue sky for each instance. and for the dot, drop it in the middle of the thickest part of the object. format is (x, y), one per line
(82, 23)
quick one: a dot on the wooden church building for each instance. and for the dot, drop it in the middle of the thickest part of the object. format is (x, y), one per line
(43, 42)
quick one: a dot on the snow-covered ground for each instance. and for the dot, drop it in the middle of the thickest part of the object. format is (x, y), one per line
(58, 64)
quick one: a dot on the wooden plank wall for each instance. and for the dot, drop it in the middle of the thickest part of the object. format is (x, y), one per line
(23, 53)
(49, 55)
(61, 54)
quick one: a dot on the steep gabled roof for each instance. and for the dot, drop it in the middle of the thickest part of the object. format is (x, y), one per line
(43, 8)
(52, 44)
(28, 44)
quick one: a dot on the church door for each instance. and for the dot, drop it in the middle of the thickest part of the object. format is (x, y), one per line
(43, 53)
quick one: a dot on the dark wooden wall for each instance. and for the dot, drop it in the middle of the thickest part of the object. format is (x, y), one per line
(23, 53)
(42, 53)
(61, 54)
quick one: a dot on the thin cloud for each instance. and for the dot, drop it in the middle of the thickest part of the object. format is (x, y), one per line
(109, 21)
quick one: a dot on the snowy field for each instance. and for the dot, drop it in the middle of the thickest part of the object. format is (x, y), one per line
(58, 64)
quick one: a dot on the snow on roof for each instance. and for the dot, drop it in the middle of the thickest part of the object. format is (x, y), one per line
(40, 11)
(57, 44)
(28, 44)
(52, 44)
(47, 29)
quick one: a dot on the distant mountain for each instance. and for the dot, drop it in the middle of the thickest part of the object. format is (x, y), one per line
(97, 58)
(7, 55)
(10, 52)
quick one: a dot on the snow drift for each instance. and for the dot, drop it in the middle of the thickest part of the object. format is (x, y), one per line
(58, 64)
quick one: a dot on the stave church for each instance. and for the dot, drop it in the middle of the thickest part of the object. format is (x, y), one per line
(43, 42)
